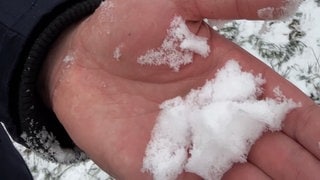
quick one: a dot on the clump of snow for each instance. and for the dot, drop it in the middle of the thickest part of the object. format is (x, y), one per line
(266, 13)
(212, 127)
(177, 48)
(285, 11)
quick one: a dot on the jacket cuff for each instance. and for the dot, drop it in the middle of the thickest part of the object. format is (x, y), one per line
(41, 130)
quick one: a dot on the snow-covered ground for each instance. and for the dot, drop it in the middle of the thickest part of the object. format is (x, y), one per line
(291, 47)
(297, 37)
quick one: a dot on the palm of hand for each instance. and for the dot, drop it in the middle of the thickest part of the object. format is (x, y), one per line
(109, 105)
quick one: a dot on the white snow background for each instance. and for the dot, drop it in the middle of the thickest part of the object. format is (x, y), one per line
(291, 47)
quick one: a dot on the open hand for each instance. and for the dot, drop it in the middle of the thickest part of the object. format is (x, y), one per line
(108, 103)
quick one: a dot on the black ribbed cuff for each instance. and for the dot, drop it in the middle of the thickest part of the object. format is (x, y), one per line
(41, 130)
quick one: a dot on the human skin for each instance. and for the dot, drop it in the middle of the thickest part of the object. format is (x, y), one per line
(109, 106)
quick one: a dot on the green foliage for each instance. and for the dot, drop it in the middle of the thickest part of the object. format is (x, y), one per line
(230, 31)
(276, 54)
(311, 76)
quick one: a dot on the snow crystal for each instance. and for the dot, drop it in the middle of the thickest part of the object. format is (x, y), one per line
(68, 58)
(212, 127)
(177, 48)
(117, 53)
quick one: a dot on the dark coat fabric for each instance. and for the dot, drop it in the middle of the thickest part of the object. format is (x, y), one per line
(12, 166)
(28, 28)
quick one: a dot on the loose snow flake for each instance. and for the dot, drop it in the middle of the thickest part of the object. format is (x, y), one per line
(117, 53)
(69, 61)
(69, 58)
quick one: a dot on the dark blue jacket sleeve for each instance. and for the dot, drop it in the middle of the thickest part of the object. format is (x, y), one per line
(12, 166)
(28, 28)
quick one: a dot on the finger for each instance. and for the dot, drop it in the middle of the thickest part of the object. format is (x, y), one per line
(238, 9)
(245, 171)
(282, 158)
(303, 124)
